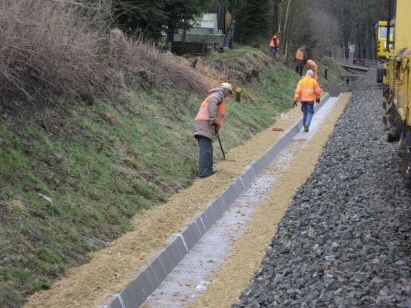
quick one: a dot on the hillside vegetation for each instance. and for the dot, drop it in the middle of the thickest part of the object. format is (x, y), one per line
(90, 140)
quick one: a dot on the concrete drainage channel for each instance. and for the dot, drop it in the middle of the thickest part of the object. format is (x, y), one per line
(180, 244)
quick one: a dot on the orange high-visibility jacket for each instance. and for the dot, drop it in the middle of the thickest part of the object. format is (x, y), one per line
(275, 41)
(311, 65)
(299, 55)
(308, 89)
(204, 113)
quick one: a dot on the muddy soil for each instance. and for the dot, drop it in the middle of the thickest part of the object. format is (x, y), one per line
(113, 268)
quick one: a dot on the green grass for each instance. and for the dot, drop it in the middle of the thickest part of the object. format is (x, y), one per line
(103, 163)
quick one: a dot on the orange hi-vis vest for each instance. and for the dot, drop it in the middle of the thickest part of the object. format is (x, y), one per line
(276, 43)
(204, 113)
(299, 55)
(308, 89)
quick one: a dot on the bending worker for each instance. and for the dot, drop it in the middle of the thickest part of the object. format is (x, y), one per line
(311, 65)
(207, 124)
(308, 90)
(300, 59)
(274, 44)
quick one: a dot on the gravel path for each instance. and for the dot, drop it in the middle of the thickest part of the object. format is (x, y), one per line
(345, 239)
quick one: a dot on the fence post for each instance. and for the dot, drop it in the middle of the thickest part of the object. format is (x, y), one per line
(238, 94)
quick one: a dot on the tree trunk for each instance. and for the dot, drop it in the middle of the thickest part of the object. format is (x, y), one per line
(183, 35)
(274, 27)
(104, 15)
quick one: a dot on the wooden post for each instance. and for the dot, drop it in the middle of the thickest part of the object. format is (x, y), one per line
(238, 94)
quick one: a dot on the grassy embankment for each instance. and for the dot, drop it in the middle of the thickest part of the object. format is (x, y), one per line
(74, 171)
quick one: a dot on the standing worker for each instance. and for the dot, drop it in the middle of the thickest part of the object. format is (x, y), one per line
(207, 124)
(275, 44)
(300, 59)
(311, 65)
(307, 90)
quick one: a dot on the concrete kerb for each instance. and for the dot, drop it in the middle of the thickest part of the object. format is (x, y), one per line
(180, 244)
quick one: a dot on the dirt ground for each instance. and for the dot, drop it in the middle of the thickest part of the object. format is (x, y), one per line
(113, 268)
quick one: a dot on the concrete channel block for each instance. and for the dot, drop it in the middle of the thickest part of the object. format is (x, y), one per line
(178, 248)
(160, 269)
(208, 217)
(232, 193)
(136, 293)
(116, 303)
(150, 280)
(248, 176)
(191, 236)
(201, 226)
(170, 257)
(215, 210)
(261, 164)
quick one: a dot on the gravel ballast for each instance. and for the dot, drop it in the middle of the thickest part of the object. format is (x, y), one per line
(345, 239)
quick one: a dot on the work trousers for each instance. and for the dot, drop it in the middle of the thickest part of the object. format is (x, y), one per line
(274, 51)
(205, 159)
(299, 64)
(308, 111)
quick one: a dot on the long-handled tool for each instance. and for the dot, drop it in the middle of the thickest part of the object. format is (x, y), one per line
(221, 146)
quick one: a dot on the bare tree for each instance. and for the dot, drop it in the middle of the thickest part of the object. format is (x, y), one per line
(325, 29)
(356, 20)
(104, 17)
(274, 26)
(329, 27)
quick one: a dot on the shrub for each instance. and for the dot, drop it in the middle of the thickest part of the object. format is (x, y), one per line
(49, 51)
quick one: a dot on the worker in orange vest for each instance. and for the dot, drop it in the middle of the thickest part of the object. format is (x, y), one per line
(308, 90)
(207, 124)
(311, 65)
(275, 44)
(300, 59)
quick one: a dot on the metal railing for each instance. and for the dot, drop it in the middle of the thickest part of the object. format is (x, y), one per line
(360, 62)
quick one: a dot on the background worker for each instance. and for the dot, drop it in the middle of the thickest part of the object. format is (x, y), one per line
(207, 124)
(308, 90)
(300, 59)
(275, 44)
(311, 65)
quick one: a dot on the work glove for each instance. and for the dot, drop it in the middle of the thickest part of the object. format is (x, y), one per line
(212, 120)
(294, 104)
(317, 101)
(217, 135)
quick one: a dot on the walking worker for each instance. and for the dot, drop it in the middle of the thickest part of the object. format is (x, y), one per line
(308, 90)
(275, 44)
(207, 124)
(300, 59)
(311, 65)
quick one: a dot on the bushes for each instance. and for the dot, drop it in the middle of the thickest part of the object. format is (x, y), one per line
(46, 53)
(50, 52)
